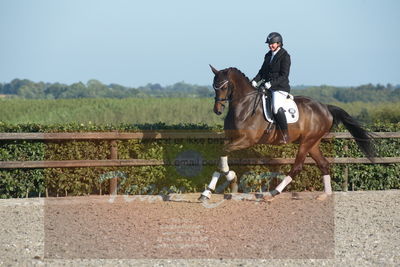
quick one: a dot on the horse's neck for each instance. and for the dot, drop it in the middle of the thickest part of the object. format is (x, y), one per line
(241, 88)
(243, 99)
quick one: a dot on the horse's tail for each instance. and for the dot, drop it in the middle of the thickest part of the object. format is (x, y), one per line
(362, 137)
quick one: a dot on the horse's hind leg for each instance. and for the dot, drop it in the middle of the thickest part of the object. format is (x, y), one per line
(296, 168)
(323, 165)
(230, 177)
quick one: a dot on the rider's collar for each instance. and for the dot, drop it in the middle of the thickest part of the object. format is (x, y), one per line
(276, 51)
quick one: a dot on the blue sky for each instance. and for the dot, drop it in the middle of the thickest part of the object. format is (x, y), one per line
(129, 42)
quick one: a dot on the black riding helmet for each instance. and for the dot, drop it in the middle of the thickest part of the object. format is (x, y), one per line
(274, 37)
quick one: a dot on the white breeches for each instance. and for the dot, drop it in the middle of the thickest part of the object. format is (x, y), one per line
(278, 100)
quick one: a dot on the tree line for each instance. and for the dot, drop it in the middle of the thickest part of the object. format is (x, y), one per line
(26, 89)
(362, 93)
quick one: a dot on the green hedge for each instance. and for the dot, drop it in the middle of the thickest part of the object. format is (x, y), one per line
(165, 179)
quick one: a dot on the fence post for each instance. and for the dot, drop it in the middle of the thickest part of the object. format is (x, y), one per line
(345, 184)
(113, 155)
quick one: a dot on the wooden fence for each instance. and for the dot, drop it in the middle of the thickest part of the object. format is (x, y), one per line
(112, 137)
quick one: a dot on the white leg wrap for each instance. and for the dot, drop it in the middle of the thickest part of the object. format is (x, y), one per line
(214, 180)
(224, 164)
(327, 184)
(283, 184)
(230, 176)
(207, 193)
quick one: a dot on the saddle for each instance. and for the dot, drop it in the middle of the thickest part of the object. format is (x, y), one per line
(290, 107)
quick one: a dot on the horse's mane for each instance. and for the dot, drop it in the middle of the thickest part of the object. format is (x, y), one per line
(239, 72)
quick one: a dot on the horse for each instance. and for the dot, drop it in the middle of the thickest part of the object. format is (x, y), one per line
(245, 126)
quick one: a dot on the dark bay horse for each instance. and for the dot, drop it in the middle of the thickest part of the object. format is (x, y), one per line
(246, 126)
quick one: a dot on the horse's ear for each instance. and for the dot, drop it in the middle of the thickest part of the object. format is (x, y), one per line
(214, 70)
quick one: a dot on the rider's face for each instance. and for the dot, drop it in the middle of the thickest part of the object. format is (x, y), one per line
(273, 46)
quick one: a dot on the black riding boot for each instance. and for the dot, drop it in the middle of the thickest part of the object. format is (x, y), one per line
(282, 124)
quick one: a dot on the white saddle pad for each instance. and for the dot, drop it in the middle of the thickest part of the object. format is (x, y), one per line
(290, 107)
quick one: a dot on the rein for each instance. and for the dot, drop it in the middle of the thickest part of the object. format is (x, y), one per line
(260, 92)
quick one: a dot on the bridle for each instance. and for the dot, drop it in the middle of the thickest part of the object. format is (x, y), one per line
(221, 100)
(259, 92)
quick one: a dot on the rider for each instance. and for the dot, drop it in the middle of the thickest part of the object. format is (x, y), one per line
(275, 73)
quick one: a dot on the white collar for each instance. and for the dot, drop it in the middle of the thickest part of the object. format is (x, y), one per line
(276, 51)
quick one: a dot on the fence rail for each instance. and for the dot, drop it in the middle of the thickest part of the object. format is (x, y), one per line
(115, 162)
(176, 134)
(153, 162)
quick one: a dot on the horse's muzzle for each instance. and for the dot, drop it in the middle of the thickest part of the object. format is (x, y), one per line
(218, 108)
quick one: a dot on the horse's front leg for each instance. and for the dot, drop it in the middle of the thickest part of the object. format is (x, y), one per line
(229, 174)
(237, 139)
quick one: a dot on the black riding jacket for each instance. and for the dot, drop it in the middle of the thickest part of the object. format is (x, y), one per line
(276, 72)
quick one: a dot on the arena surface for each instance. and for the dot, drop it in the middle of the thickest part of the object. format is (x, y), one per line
(352, 228)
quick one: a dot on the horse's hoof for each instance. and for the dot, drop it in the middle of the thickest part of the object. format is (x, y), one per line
(268, 198)
(259, 195)
(228, 196)
(271, 196)
(203, 198)
(322, 196)
(295, 196)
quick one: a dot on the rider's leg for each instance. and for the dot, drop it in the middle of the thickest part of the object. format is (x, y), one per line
(278, 98)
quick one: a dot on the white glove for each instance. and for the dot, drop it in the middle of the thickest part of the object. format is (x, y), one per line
(268, 85)
(254, 83)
